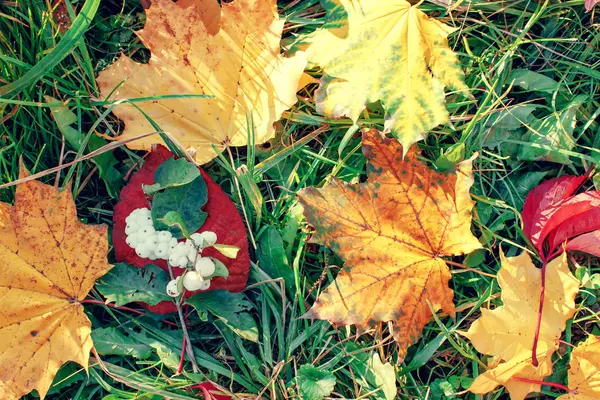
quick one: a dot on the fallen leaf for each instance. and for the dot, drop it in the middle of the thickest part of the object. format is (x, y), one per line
(584, 372)
(590, 4)
(50, 262)
(553, 216)
(542, 198)
(390, 51)
(231, 52)
(222, 218)
(391, 232)
(586, 243)
(508, 331)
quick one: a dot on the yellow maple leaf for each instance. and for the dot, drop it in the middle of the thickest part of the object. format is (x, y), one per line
(231, 52)
(385, 50)
(392, 232)
(508, 332)
(584, 372)
(50, 262)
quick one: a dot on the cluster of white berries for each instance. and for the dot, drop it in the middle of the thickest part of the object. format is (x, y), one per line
(147, 242)
(188, 254)
(152, 244)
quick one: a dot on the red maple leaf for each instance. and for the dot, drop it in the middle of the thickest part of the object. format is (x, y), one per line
(223, 219)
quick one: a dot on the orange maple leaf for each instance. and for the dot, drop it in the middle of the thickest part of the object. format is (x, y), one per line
(230, 52)
(392, 233)
(50, 262)
(507, 332)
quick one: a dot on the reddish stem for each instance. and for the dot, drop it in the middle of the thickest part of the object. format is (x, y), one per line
(536, 338)
(122, 308)
(206, 393)
(183, 344)
(553, 384)
(182, 358)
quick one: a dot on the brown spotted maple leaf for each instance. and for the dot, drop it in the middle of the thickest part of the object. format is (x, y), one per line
(392, 232)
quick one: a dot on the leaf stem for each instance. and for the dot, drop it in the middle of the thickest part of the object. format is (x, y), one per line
(186, 336)
(553, 384)
(536, 338)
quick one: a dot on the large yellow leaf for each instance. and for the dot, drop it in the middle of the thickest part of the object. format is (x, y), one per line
(392, 232)
(584, 372)
(508, 332)
(385, 50)
(234, 55)
(50, 262)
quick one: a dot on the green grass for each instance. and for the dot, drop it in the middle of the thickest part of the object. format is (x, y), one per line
(493, 39)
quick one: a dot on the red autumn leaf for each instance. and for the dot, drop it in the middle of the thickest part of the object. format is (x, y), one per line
(590, 4)
(542, 198)
(553, 213)
(223, 219)
(586, 243)
(582, 213)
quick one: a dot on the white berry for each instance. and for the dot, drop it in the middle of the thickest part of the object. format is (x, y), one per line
(164, 236)
(205, 266)
(133, 240)
(162, 250)
(204, 239)
(193, 281)
(143, 251)
(172, 287)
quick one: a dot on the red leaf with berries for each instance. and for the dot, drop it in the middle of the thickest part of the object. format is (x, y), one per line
(223, 219)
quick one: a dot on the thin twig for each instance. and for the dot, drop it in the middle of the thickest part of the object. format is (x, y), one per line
(188, 343)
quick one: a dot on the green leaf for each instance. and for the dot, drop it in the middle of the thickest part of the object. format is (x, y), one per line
(110, 341)
(66, 376)
(220, 269)
(314, 383)
(475, 258)
(555, 133)
(529, 80)
(500, 126)
(106, 162)
(231, 308)
(169, 357)
(178, 208)
(125, 284)
(172, 172)
(272, 258)
(441, 389)
(451, 158)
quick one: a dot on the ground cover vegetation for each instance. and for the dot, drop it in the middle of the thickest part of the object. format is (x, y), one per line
(299, 199)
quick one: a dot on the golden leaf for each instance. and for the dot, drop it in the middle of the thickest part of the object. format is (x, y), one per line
(584, 372)
(231, 52)
(508, 332)
(392, 232)
(50, 262)
(385, 50)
